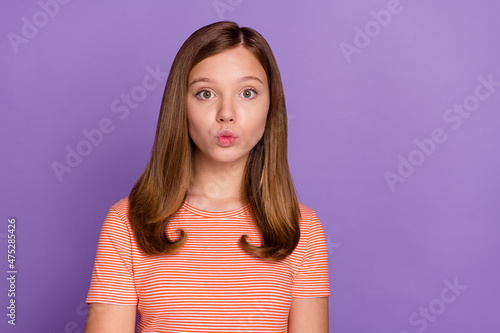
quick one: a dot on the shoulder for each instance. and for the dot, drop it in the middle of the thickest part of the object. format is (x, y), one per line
(306, 213)
(305, 209)
(309, 220)
(122, 206)
(117, 216)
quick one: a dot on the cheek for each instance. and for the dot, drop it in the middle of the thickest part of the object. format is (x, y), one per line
(258, 124)
(195, 125)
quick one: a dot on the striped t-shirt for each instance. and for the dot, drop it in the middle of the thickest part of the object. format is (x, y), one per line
(211, 284)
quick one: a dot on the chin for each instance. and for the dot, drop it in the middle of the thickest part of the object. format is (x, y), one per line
(227, 158)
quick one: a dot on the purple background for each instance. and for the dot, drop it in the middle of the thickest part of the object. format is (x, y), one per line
(350, 119)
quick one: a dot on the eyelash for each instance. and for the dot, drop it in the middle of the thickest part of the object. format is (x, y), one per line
(205, 89)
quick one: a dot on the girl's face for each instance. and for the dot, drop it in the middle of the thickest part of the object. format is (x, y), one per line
(227, 91)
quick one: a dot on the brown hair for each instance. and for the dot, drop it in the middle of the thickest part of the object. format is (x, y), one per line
(267, 183)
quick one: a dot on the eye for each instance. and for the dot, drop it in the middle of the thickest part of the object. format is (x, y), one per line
(204, 94)
(248, 93)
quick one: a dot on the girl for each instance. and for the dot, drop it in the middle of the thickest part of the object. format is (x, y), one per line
(212, 237)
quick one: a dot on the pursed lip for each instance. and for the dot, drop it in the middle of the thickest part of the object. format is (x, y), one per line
(226, 132)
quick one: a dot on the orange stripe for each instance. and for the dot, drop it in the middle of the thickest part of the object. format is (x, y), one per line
(211, 284)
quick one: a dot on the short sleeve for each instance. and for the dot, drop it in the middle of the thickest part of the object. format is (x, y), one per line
(312, 279)
(112, 279)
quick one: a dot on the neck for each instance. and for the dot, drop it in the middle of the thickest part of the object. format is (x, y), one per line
(215, 183)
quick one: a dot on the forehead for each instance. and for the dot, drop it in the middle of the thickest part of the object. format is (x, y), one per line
(229, 64)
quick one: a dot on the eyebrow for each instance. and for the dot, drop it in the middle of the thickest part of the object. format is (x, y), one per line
(243, 79)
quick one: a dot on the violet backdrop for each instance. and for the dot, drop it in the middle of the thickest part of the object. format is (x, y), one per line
(394, 109)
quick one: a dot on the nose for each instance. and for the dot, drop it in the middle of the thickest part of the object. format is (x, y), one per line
(226, 110)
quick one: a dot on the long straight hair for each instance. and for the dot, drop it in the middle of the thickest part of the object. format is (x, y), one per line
(267, 184)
